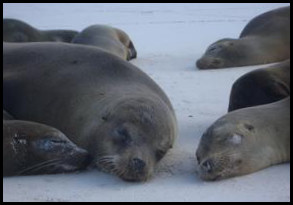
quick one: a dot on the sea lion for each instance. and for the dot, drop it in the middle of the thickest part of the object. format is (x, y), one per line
(18, 31)
(102, 103)
(33, 148)
(245, 141)
(261, 86)
(108, 38)
(265, 39)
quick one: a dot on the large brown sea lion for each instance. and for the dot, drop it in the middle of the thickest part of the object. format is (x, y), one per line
(99, 101)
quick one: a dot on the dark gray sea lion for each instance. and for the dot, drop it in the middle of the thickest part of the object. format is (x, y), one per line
(19, 31)
(33, 148)
(101, 102)
(265, 39)
(245, 141)
(261, 86)
(108, 38)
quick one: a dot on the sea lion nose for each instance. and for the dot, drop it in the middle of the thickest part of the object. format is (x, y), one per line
(82, 157)
(207, 165)
(137, 164)
(199, 64)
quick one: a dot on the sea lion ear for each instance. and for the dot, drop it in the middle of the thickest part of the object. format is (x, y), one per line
(245, 127)
(236, 139)
(249, 127)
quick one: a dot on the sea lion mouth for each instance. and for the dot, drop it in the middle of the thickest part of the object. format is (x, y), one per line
(208, 175)
(133, 171)
(211, 170)
(209, 63)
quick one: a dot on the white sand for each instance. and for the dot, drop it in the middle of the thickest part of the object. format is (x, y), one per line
(169, 38)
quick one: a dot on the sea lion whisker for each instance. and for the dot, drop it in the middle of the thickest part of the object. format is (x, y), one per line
(107, 159)
(107, 163)
(39, 166)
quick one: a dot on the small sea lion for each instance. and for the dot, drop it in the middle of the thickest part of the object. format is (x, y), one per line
(110, 39)
(265, 39)
(18, 31)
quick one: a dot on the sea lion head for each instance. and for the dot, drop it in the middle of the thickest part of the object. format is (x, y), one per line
(132, 53)
(40, 149)
(127, 43)
(226, 150)
(135, 135)
(221, 54)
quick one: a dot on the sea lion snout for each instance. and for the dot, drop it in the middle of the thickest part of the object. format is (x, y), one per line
(207, 170)
(207, 166)
(209, 63)
(137, 165)
(82, 158)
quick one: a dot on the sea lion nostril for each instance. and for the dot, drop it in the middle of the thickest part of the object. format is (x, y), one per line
(207, 165)
(137, 164)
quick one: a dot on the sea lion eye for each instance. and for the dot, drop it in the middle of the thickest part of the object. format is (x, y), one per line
(51, 141)
(214, 49)
(122, 136)
(49, 144)
(58, 141)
